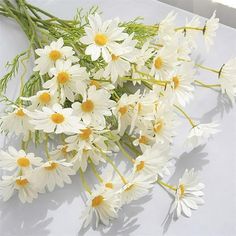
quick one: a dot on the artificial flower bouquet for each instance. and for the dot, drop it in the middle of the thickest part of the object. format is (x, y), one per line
(99, 88)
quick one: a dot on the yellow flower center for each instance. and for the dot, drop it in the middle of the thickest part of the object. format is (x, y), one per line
(45, 98)
(85, 133)
(64, 150)
(158, 63)
(97, 201)
(23, 162)
(20, 112)
(175, 80)
(52, 166)
(57, 118)
(63, 77)
(182, 190)
(95, 83)
(109, 185)
(143, 139)
(87, 106)
(140, 166)
(129, 187)
(158, 126)
(22, 182)
(100, 39)
(55, 55)
(123, 110)
(114, 57)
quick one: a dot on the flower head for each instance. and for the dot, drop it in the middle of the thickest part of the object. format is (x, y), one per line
(227, 79)
(103, 205)
(55, 119)
(68, 80)
(95, 105)
(52, 173)
(102, 37)
(209, 30)
(27, 190)
(49, 55)
(201, 133)
(188, 194)
(20, 160)
(137, 186)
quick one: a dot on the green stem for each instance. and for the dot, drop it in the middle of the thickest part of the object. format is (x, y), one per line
(207, 68)
(84, 182)
(46, 147)
(106, 158)
(95, 171)
(166, 185)
(188, 28)
(125, 153)
(200, 83)
(186, 115)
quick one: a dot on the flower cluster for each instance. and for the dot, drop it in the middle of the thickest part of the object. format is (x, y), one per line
(108, 92)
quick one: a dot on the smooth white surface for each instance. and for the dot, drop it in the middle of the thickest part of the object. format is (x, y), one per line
(58, 213)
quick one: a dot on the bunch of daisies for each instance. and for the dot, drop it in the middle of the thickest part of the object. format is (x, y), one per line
(110, 91)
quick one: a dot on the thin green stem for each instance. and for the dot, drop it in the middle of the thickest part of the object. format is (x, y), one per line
(106, 158)
(166, 185)
(124, 152)
(200, 83)
(188, 28)
(84, 182)
(94, 170)
(207, 68)
(186, 115)
(46, 147)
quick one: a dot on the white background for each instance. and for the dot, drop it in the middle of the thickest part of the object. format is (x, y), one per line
(58, 213)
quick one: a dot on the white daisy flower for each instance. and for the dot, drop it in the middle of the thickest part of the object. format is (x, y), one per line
(137, 186)
(181, 83)
(27, 191)
(163, 126)
(209, 30)
(227, 79)
(86, 138)
(164, 62)
(190, 34)
(143, 55)
(99, 81)
(49, 55)
(125, 110)
(143, 141)
(85, 144)
(153, 162)
(181, 45)
(166, 27)
(201, 133)
(52, 173)
(111, 181)
(103, 205)
(188, 194)
(68, 80)
(41, 99)
(55, 119)
(82, 157)
(16, 122)
(14, 159)
(102, 37)
(61, 152)
(119, 64)
(144, 108)
(94, 107)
